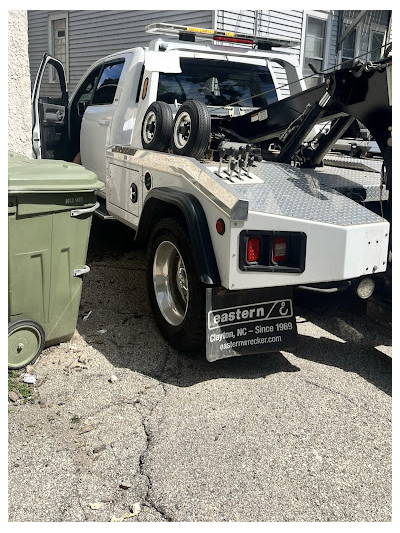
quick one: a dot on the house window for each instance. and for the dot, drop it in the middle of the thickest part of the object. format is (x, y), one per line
(376, 42)
(58, 42)
(349, 47)
(314, 49)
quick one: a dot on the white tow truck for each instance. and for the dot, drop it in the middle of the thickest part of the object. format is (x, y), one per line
(223, 178)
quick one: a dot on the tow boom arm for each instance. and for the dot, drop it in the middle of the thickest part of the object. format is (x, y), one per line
(361, 92)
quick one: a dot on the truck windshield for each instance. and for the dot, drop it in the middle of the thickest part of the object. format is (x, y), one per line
(218, 83)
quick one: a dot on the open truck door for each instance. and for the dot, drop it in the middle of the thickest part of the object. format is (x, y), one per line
(49, 113)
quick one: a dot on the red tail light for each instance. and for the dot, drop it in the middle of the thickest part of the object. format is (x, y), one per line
(220, 226)
(279, 249)
(272, 251)
(253, 249)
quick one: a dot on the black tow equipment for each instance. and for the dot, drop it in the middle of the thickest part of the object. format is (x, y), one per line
(360, 92)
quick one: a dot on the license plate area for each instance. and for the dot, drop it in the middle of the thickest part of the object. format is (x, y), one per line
(248, 322)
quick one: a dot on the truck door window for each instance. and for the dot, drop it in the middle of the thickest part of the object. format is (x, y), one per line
(218, 83)
(108, 83)
(86, 91)
(51, 94)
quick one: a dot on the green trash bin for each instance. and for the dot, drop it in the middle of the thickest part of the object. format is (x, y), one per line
(50, 207)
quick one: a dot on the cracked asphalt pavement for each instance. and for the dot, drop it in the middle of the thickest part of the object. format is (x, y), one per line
(123, 428)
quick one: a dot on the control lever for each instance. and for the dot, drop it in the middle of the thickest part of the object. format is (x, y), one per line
(250, 164)
(241, 166)
(232, 166)
(247, 152)
(229, 153)
(221, 157)
(240, 161)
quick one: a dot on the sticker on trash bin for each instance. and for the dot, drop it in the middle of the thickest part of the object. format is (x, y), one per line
(249, 322)
(76, 200)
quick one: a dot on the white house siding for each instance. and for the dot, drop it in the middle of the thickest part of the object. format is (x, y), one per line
(237, 21)
(95, 34)
(19, 106)
(331, 56)
(38, 39)
(266, 23)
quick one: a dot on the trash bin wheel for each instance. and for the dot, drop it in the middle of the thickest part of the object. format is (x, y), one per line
(176, 293)
(157, 127)
(192, 129)
(25, 343)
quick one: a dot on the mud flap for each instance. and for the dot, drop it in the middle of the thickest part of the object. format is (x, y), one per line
(249, 322)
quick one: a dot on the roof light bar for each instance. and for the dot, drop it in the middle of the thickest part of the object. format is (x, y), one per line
(218, 35)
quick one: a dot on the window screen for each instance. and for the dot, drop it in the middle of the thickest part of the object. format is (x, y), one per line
(376, 46)
(58, 28)
(349, 46)
(314, 49)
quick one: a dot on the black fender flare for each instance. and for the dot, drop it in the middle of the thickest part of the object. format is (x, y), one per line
(196, 222)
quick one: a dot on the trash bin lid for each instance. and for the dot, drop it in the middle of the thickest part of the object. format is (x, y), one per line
(48, 175)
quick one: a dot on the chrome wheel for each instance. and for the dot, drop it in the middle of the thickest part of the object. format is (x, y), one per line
(170, 283)
(182, 129)
(176, 293)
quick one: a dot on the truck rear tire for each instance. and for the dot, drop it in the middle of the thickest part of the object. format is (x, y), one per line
(157, 127)
(192, 129)
(176, 293)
